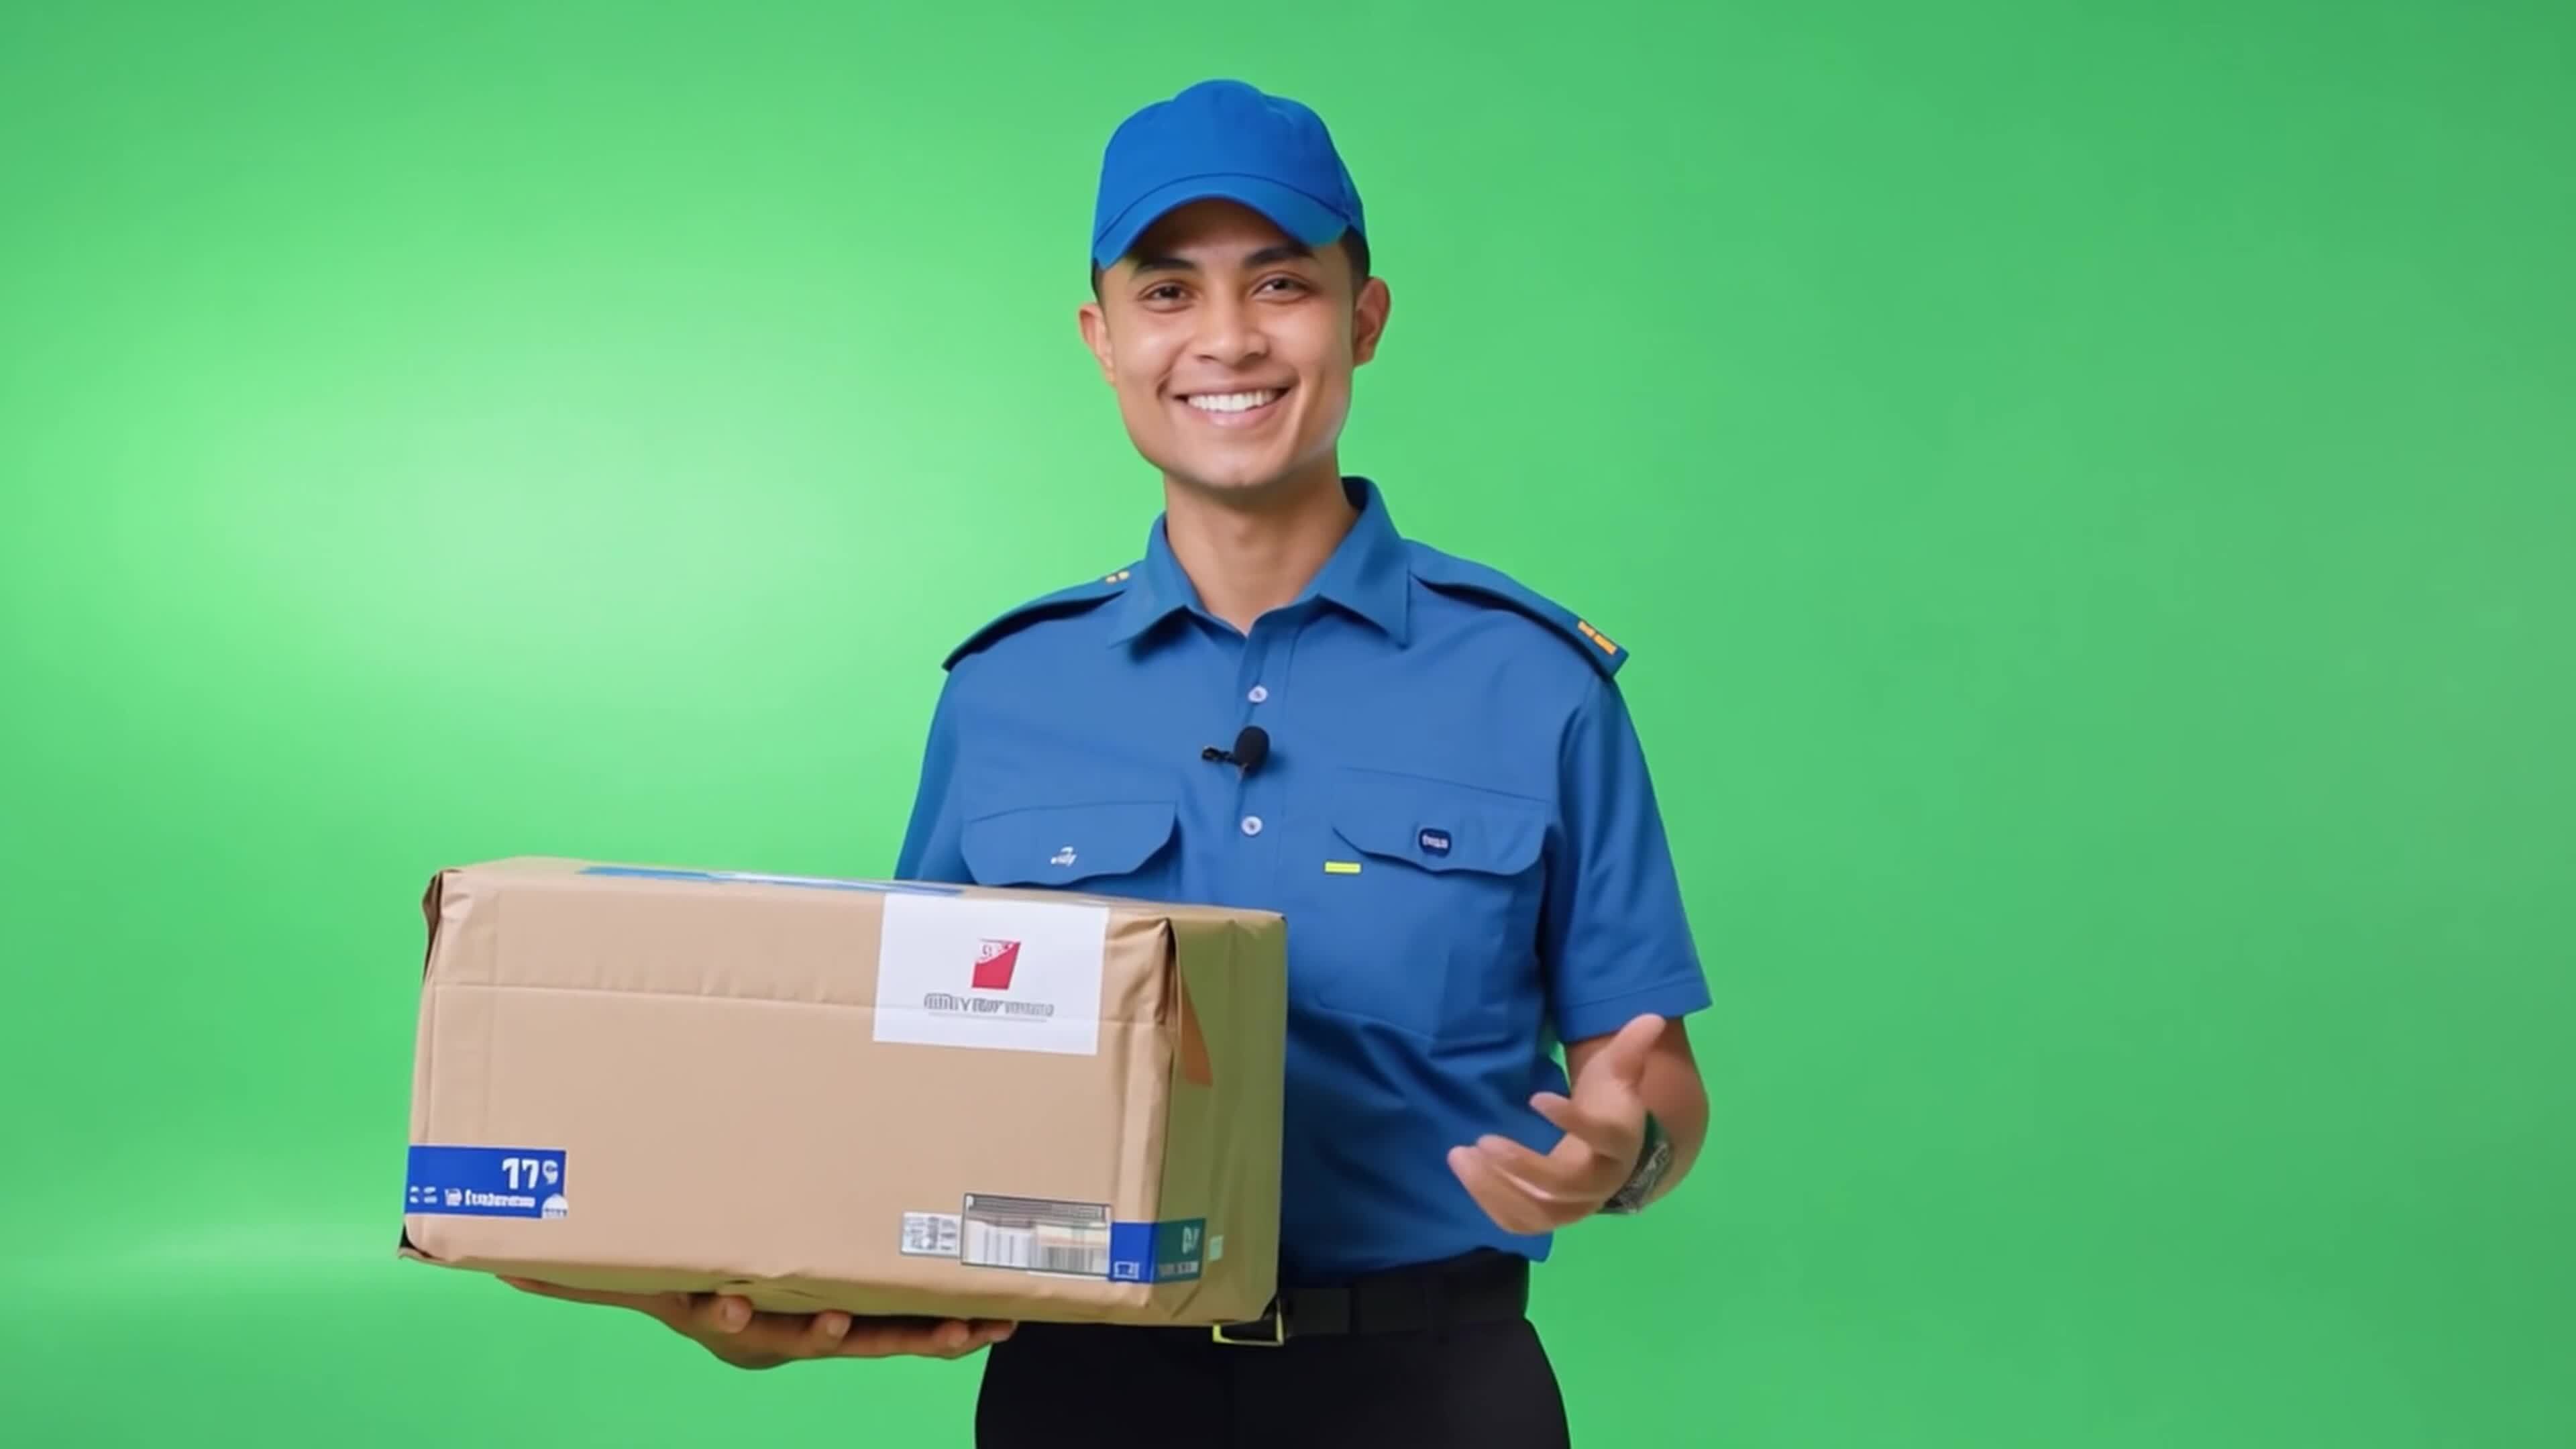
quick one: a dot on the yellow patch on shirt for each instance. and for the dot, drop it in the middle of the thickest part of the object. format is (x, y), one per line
(1341, 867)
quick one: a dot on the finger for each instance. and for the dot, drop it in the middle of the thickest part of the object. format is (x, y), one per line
(1500, 1201)
(891, 1337)
(782, 1337)
(725, 1314)
(1629, 1050)
(1506, 1202)
(823, 1333)
(1532, 1209)
(1563, 1173)
(1608, 1132)
(1562, 1189)
(1622, 1059)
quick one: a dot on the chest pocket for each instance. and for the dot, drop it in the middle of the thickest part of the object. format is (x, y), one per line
(1430, 895)
(1109, 847)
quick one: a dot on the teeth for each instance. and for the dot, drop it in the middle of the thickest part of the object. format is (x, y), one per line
(1232, 402)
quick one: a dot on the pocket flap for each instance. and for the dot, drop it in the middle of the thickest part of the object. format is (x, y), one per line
(1435, 825)
(1054, 844)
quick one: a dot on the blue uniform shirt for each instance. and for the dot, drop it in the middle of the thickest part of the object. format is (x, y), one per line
(1455, 819)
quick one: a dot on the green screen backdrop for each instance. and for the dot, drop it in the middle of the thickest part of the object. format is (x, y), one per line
(2088, 489)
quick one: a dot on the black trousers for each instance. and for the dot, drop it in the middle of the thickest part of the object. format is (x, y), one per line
(1472, 1385)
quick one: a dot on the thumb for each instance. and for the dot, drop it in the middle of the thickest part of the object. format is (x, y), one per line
(1626, 1056)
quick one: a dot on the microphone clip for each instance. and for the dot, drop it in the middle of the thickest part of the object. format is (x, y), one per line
(1251, 747)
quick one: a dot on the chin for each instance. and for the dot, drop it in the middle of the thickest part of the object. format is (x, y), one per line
(1222, 475)
(1234, 482)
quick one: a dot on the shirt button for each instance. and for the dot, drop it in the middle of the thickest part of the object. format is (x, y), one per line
(1252, 825)
(1259, 693)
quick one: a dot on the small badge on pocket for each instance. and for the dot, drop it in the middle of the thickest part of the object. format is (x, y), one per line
(1433, 842)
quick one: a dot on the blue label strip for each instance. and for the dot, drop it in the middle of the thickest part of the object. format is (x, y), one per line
(727, 877)
(485, 1182)
(1157, 1252)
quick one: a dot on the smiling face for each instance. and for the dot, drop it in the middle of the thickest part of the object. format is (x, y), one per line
(1231, 348)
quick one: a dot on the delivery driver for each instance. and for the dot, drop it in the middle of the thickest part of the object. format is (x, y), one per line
(1424, 766)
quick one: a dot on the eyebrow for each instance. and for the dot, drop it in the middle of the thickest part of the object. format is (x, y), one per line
(1283, 252)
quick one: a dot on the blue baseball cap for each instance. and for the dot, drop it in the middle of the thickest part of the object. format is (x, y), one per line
(1224, 139)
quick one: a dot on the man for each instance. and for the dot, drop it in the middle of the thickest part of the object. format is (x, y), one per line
(1424, 766)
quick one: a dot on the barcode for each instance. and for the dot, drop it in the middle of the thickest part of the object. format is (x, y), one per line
(1089, 1259)
(1036, 1235)
(991, 1247)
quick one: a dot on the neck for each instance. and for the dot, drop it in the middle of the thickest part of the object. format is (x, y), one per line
(1249, 557)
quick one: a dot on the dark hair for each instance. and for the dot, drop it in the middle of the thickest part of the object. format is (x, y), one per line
(1353, 245)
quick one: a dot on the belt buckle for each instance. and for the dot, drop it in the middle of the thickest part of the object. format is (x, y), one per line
(1274, 1318)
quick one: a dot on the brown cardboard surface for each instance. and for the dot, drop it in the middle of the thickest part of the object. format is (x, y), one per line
(798, 1091)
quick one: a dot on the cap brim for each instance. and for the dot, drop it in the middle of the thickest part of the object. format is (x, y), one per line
(1292, 211)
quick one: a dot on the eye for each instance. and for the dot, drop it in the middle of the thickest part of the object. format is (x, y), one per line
(1291, 283)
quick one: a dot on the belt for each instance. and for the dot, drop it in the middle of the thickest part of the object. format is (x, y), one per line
(1483, 1287)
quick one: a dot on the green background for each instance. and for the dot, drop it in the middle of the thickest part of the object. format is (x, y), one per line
(2088, 489)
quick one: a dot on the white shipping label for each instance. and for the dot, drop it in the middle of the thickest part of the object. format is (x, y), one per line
(1036, 1235)
(930, 1235)
(1009, 975)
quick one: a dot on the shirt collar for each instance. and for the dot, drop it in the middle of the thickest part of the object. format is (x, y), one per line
(1366, 574)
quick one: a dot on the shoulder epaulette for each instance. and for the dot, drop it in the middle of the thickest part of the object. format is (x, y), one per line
(1063, 602)
(1451, 574)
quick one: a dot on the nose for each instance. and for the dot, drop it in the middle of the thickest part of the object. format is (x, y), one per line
(1229, 331)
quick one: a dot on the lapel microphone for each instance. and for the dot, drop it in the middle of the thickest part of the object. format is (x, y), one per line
(1251, 747)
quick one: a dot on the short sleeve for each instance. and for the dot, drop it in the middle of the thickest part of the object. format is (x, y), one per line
(1614, 940)
(930, 850)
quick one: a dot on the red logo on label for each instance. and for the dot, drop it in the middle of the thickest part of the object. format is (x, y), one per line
(994, 963)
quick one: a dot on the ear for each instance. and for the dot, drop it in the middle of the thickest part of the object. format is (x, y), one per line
(1368, 319)
(1095, 335)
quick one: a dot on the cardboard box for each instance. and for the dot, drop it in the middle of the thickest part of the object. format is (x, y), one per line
(880, 1097)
